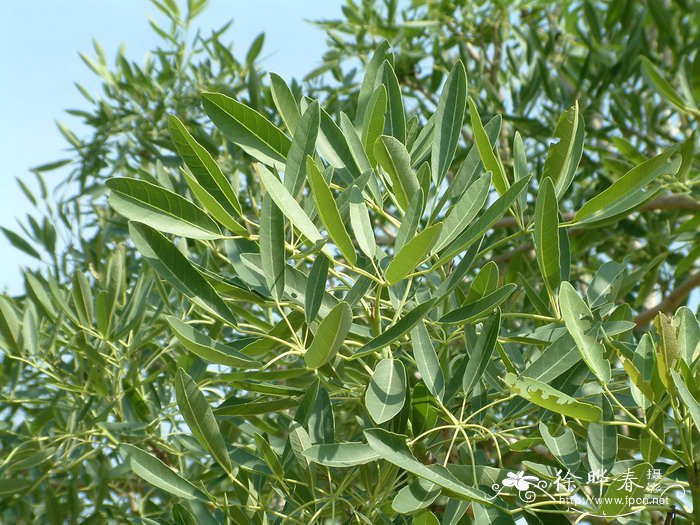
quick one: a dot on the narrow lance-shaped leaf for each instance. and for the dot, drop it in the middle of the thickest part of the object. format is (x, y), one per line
(341, 454)
(386, 393)
(490, 159)
(663, 86)
(286, 203)
(427, 360)
(329, 336)
(688, 400)
(315, 287)
(630, 183)
(203, 167)
(448, 121)
(393, 157)
(481, 354)
(546, 235)
(564, 156)
(248, 129)
(562, 446)
(392, 447)
(464, 211)
(402, 326)
(373, 122)
(157, 473)
(487, 219)
(174, 267)
(601, 441)
(410, 221)
(272, 251)
(303, 145)
(328, 210)
(369, 81)
(412, 253)
(160, 208)
(285, 102)
(199, 417)
(543, 395)
(360, 222)
(395, 124)
(207, 348)
(576, 315)
(477, 309)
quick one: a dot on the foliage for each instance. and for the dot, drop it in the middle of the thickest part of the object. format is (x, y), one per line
(375, 298)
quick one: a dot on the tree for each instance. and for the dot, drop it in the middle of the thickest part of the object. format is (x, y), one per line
(380, 300)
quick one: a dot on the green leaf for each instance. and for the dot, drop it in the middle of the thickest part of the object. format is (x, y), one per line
(174, 267)
(373, 122)
(630, 183)
(361, 224)
(625, 490)
(688, 334)
(412, 254)
(334, 147)
(662, 85)
(410, 221)
(157, 473)
(248, 129)
(303, 145)
(427, 360)
(392, 447)
(577, 318)
(286, 203)
(199, 417)
(272, 247)
(481, 354)
(395, 124)
(688, 399)
(393, 157)
(203, 167)
(541, 394)
(328, 210)
(484, 222)
(490, 159)
(563, 446)
(315, 287)
(207, 348)
(564, 156)
(546, 235)
(285, 102)
(391, 334)
(605, 284)
(476, 310)
(464, 211)
(601, 441)
(449, 117)
(161, 209)
(341, 454)
(329, 336)
(20, 243)
(355, 143)
(367, 89)
(417, 495)
(386, 393)
(484, 283)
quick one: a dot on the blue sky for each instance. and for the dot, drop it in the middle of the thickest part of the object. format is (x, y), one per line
(39, 45)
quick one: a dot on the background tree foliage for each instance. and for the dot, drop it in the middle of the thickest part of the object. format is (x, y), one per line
(420, 305)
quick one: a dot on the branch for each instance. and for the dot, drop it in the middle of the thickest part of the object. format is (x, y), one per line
(672, 301)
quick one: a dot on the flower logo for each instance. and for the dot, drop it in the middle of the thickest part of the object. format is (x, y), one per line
(520, 481)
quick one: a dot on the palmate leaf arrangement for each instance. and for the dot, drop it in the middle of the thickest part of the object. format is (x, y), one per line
(362, 291)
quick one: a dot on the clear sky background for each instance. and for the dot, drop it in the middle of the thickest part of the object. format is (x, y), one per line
(39, 62)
